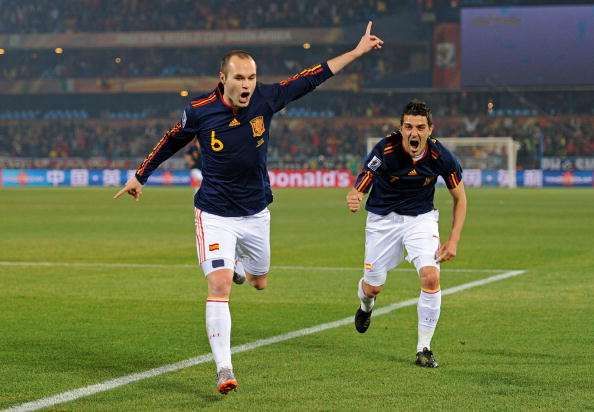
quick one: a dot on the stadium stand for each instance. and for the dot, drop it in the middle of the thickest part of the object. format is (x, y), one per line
(72, 109)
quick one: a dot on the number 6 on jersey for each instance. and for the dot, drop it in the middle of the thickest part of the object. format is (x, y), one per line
(215, 143)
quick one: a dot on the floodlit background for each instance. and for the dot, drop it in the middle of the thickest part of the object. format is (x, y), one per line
(93, 289)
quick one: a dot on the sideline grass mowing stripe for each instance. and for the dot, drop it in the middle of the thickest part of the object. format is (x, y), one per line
(125, 380)
(189, 266)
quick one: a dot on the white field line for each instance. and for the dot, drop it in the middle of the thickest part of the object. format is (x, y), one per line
(189, 266)
(172, 367)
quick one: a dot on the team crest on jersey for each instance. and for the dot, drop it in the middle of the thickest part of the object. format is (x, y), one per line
(374, 163)
(258, 128)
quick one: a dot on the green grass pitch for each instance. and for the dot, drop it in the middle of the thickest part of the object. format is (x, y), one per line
(92, 312)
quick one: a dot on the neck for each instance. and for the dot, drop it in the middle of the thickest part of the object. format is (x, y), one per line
(228, 101)
(417, 156)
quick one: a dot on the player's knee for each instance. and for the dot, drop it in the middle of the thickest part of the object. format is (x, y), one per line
(219, 283)
(372, 291)
(429, 278)
(259, 282)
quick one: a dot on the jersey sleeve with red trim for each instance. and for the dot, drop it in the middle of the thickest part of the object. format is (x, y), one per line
(450, 168)
(374, 163)
(281, 94)
(171, 142)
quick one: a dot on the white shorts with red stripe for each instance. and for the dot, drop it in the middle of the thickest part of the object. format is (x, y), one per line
(387, 237)
(221, 240)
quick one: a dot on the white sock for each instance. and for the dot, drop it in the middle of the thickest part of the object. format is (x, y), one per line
(218, 329)
(428, 310)
(239, 268)
(366, 302)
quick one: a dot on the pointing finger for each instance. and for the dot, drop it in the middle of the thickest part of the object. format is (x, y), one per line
(368, 30)
(118, 194)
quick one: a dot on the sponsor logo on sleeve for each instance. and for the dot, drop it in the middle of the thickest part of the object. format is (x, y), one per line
(184, 119)
(374, 163)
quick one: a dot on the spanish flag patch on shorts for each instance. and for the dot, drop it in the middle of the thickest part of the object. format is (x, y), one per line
(213, 246)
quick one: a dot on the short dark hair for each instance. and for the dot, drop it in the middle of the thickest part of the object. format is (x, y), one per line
(239, 53)
(417, 108)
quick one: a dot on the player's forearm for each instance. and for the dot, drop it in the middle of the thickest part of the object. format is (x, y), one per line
(363, 182)
(171, 142)
(459, 216)
(340, 62)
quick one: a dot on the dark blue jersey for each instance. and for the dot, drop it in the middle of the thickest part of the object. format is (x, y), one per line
(400, 184)
(233, 143)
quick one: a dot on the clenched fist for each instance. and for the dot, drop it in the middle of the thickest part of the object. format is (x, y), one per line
(354, 198)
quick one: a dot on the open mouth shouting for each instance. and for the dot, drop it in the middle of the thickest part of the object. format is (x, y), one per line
(244, 97)
(415, 144)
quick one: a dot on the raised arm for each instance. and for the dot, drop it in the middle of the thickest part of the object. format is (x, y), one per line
(282, 93)
(367, 43)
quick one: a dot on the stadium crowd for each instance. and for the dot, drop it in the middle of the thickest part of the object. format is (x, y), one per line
(295, 142)
(328, 129)
(48, 16)
(275, 61)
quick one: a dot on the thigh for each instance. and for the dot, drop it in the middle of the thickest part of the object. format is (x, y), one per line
(383, 248)
(216, 240)
(421, 240)
(253, 244)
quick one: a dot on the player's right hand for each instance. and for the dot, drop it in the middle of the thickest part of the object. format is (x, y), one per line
(368, 42)
(354, 198)
(133, 187)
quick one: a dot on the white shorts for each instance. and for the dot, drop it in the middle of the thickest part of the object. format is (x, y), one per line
(221, 240)
(386, 238)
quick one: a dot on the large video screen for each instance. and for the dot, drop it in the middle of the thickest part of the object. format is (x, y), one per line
(545, 45)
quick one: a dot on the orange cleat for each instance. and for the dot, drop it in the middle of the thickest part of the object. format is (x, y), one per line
(226, 381)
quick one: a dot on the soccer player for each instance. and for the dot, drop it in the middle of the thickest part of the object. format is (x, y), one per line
(401, 171)
(192, 157)
(232, 219)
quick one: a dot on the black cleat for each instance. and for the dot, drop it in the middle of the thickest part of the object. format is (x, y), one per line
(362, 320)
(238, 279)
(425, 359)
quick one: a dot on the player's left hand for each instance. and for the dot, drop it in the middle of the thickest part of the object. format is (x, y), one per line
(368, 42)
(447, 251)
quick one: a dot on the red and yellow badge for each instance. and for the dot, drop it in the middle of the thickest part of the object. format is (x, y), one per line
(258, 126)
(368, 266)
(213, 246)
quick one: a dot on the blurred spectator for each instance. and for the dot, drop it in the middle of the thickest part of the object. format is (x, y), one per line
(51, 16)
(295, 142)
(380, 70)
